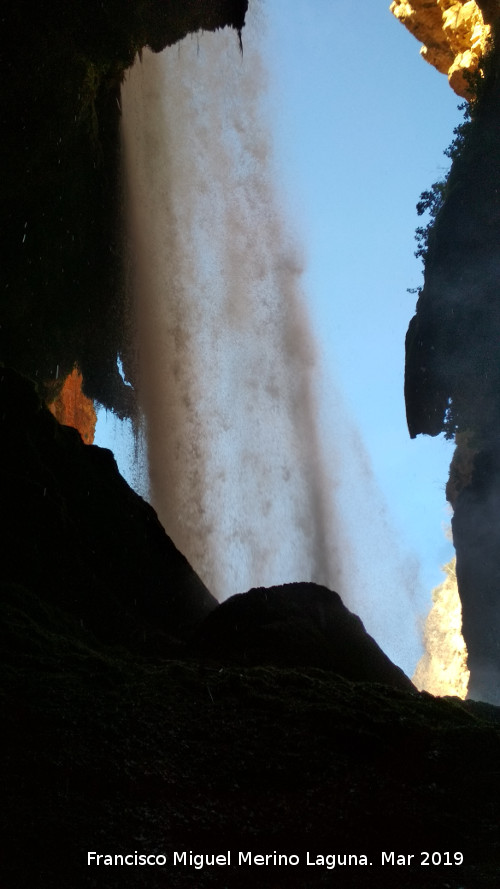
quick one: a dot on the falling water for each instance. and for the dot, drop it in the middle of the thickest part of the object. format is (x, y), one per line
(226, 354)
(226, 360)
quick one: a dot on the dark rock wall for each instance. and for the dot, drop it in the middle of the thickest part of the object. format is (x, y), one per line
(452, 379)
(452, 374)
(77, 537)
(476, 534)
(62, 299)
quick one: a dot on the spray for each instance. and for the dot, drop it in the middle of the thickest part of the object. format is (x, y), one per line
(228, 370)
(226, 357)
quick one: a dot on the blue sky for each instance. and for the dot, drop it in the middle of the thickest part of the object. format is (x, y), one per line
(360, 123)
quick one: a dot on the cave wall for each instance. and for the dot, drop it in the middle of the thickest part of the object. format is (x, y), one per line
(476, 535)
(62, 296)
(79, 540)
(452, 378)
(452, 372)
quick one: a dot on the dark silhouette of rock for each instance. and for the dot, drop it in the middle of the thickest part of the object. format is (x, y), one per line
(296, 625)
(107, 754)
(476, 534)
(452, 375)
(78, 536)
(63, 294)
(110, 753)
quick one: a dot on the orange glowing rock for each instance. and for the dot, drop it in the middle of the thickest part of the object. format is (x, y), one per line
(72, 408)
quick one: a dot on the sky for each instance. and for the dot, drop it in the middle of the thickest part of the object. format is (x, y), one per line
(360, 123)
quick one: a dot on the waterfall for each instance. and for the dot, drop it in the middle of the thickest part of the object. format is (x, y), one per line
(226, 357)
(245, 482)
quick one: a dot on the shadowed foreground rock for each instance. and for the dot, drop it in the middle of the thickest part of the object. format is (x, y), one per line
(108, 754)
(296, 625)
(110, 747)
(77, 536)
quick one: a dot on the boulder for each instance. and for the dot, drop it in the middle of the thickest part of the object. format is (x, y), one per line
(295, 625)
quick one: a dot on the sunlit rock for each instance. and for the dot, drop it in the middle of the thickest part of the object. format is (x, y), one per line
(72, 408)
(454, 35)
(442, 669)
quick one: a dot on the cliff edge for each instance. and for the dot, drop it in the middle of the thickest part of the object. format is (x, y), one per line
(454, 34)
(452, 370)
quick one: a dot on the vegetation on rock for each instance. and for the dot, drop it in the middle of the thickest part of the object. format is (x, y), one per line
(452, 346)
(452, 374)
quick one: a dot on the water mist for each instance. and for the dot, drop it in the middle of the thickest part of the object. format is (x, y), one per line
(226, 360)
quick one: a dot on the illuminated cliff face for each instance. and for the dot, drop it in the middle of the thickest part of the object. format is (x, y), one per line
(454, 33)
(73, 408)
(442, 670)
